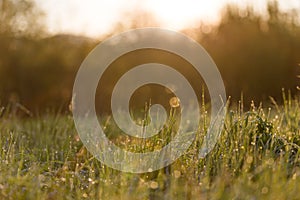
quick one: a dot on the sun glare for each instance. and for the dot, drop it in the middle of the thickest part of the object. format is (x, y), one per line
(180, 14)
(98, 17)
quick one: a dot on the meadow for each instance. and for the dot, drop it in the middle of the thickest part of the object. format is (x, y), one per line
(256, 157)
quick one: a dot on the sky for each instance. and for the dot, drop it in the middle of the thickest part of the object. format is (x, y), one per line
(94, 18)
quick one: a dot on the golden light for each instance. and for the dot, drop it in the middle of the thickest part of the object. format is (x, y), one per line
(180, 14)
(96, 17)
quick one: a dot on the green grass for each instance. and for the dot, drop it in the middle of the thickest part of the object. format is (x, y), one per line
(256, 157)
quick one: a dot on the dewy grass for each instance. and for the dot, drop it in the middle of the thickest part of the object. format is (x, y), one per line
(256, 157)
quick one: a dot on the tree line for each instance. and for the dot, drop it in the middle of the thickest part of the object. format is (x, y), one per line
(257, 54)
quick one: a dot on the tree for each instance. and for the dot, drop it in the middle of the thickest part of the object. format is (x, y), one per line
(20, 18)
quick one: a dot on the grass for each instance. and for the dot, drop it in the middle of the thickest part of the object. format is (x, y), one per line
(256, 157)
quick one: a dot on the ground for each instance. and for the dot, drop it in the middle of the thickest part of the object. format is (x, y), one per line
(256, 157)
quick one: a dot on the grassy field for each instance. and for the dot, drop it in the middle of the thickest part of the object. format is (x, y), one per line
(256, 157)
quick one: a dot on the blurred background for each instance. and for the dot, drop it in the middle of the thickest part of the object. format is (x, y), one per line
(255, 44)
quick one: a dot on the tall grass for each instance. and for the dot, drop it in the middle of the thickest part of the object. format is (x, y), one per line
(256, 157)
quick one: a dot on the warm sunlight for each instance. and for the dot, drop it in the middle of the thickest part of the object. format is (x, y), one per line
(180, 14)
(94, 18)
(149, 99)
